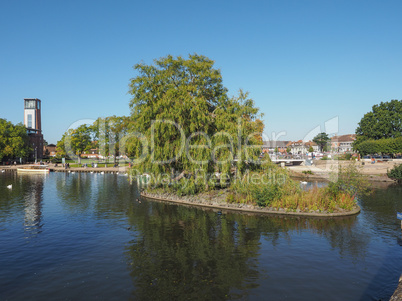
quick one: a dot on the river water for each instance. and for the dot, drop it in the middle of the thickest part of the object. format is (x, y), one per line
(86, 237)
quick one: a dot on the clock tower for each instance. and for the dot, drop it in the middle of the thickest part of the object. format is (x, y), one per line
(33, 123)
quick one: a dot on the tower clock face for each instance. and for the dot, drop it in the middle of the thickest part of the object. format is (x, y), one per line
(30, 104)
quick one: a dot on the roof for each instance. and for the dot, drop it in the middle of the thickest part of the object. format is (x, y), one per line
(344, 138)
(273, 144)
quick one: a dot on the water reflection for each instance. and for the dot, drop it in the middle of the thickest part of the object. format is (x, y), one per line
(33, 199)
(181, 252)
(25, 198)
(176, 252)
(75, 191)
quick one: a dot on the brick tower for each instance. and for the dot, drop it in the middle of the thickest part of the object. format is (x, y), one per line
(33, 123)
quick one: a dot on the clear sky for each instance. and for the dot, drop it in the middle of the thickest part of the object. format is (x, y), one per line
(303, 62)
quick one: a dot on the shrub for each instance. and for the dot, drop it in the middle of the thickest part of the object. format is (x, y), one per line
(396, 173)
(348, 180)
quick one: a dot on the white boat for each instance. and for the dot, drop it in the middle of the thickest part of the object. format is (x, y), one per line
(34, 169)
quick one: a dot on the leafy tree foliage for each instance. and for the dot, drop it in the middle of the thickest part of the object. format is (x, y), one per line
(321, 139)
(14, 141)
(184, 121)
(385, 146)
(109, 132)
(384, 121)
(75, 142)
(379, 130)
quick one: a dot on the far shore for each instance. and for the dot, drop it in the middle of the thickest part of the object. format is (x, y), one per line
(319, 171)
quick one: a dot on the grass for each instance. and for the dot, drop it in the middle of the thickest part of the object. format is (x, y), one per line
(339, 195)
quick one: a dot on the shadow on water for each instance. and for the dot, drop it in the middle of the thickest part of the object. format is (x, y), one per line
(207, 255)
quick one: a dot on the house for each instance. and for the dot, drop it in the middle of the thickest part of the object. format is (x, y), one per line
(49, 150)
(270, 146)
(343, 143)
(301, 147)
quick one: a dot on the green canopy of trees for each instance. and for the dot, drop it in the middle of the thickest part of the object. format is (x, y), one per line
(184, 121)
(385, 146)
(106, 134)
(384, 122)
(75, 142)
(14, 141)
(110, 132)
(322, 140)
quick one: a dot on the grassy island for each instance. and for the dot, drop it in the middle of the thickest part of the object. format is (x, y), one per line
(272, 188)
(189, 137)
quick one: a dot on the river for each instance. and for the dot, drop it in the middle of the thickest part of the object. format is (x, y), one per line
(86, 237)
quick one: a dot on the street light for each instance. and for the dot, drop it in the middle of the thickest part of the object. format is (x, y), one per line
(36, 155)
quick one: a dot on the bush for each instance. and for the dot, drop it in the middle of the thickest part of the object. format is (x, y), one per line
(350, 181)
(396, 173)
(264, 195)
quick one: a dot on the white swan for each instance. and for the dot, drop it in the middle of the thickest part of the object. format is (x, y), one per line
(102, 173)
(303, 182)
(9, 186)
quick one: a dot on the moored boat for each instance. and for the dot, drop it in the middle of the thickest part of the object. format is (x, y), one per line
(34, 169)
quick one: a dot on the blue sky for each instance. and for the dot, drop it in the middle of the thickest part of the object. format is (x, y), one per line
(303, 62)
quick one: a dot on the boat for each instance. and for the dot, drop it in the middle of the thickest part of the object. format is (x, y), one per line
(34, 169)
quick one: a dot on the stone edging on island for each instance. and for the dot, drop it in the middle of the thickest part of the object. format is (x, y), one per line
(243, 208)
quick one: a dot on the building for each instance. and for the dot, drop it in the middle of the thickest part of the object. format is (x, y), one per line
(33, 123)
(270, 146)
(49, 150)
(343, 144)
(300, 147)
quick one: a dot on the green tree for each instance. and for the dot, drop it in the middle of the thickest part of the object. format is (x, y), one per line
(310, 149)
(75, 142)
(288, 149)
(110, 132)
(183, 120)
(384, 121)
(14, 141)
(321, 139)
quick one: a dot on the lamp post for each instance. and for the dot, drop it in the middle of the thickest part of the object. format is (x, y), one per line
(36, 155)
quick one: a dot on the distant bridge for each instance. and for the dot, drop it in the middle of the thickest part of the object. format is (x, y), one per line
(288, 161)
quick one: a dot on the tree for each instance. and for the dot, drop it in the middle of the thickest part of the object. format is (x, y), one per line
(384, 121)
(14, 141)
(110, 132)
(310, 149)
(321, 139)
(183, 120)
(76, 141)
(288, 149)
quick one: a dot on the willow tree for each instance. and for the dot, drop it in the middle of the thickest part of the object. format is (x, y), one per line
(184, 123)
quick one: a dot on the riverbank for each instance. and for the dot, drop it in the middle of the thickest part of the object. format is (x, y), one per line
(321, 170)
(397, 296)
(60, 168)
(217, 200)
